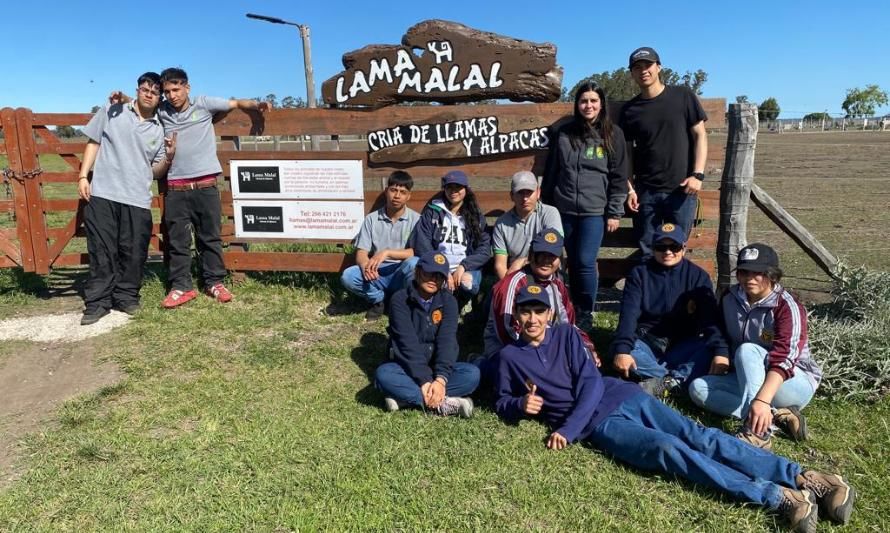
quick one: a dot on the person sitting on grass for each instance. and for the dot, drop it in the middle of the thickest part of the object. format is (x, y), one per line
(382, 261)
(452, 224)
(667, 328)
(547, 375)
(773, 374)
(514, 230)
(543, 265)
(423, 345)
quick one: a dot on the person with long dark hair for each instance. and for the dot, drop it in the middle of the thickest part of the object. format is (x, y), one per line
(586, 179)
(452, 223)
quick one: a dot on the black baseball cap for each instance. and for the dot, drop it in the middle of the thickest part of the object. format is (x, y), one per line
(757, 257)
(643, 53)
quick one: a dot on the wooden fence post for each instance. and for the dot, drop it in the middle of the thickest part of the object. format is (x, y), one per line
(735, 189)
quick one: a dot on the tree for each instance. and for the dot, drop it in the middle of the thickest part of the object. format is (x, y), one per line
(863, 102)
(769, 109)
(65, 132)
(95, 109)
(816, 117)
(619, 85)
(290, 102)
(741, 99)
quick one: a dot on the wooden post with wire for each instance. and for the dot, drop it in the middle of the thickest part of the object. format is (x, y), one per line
(735, 189)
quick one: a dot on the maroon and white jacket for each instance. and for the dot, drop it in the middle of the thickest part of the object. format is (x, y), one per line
(502, 330)
(778, 324)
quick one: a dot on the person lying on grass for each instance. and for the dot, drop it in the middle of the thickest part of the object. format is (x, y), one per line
(423, 345)
(546, 374)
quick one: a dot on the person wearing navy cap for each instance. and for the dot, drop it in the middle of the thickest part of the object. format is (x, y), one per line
(665, 128)
(546, 375)
(424, 371)
(772, 375)
(453, 224)
(667, 329)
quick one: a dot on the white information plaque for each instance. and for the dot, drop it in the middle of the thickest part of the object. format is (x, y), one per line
(273, 219)
(297, 179)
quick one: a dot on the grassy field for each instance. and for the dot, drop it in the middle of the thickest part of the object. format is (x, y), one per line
(260, 415)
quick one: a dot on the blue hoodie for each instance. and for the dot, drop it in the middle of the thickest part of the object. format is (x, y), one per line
(423, 335)
(428, 234)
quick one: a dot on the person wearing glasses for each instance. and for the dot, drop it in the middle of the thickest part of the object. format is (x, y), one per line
(191, 202)
(129, 150)
(667, 329)
(586, 180)
(423, 371)
(772, 374)
(665, 129)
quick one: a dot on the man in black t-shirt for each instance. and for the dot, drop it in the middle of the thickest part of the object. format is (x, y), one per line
(665, 127)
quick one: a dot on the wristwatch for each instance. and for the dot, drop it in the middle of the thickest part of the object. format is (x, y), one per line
(699, 176)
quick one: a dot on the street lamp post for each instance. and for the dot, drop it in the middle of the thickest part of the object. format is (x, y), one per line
(307, 62)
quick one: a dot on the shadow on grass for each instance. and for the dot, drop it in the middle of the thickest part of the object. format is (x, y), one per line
(368, 355)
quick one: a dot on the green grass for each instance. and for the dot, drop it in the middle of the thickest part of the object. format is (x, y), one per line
(260, 416)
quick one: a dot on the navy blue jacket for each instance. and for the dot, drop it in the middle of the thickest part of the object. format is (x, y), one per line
(427, 236)
(667, 304)
(576, 397)
(423, 340)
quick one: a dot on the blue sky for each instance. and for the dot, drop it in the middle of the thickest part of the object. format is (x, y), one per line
(68, 55)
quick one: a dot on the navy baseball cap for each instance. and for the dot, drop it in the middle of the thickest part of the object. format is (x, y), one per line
(643, 53)
(757, 257)
(532, 294)
(433, 262)
(547, 240)
(668, 230)
(455, 176)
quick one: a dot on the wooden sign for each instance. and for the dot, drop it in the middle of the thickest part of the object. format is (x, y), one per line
(456, 64)
(461, 138)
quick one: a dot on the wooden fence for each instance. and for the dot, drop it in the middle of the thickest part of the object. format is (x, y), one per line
(48, 217)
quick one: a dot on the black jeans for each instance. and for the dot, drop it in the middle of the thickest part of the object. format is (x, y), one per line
(117, 241)
(184, 211)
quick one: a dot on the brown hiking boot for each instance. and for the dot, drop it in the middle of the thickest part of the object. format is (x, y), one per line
(791, 422)
(834, 494)
(799, 508)
(764, 442)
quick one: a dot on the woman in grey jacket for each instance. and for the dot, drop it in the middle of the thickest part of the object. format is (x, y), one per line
(586, 179)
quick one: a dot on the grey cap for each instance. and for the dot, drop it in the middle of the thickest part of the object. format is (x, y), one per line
(523, 181)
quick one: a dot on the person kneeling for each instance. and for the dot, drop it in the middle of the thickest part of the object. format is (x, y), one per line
(546, 374)
(423, 345)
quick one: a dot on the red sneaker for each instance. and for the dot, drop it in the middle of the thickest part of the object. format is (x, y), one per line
(220, 293)
(177, 297)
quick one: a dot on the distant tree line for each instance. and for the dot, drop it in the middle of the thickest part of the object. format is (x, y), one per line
(620, 86)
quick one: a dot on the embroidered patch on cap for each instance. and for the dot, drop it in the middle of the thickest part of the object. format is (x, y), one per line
(690, 307)
(667, 227)
(766, 335)
(436, 316)
(750, 254)
(439, 259)
(534, 289)
(550, 237)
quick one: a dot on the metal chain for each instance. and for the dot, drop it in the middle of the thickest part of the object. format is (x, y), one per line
(8, 173)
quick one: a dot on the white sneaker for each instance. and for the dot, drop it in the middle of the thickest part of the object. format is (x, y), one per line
(453, 405)
(392, 405)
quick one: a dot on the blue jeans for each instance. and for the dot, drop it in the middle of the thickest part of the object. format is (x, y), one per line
(395, 383)
(649, 435)
(684, 361)
(656, 208)
(731, 394)
(583, 237)
(393, 276)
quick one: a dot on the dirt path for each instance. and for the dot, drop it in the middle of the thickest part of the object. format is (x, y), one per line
(36, 377)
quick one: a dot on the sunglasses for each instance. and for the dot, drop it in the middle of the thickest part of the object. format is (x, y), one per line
(675, 248)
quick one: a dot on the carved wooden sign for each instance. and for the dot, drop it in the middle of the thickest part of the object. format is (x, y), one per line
(460, 138)
(456, 64)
